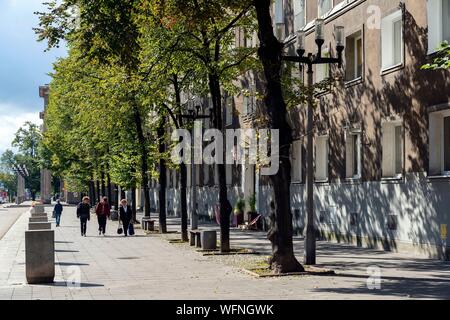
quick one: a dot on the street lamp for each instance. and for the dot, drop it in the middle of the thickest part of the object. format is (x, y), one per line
(193, 115)
(309, 60)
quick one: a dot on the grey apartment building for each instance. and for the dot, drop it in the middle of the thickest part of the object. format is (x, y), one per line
(381, 130)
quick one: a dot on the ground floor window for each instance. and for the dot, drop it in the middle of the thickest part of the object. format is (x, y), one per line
(321, 159)
(353, 154)
(439, 146)
(392, 149)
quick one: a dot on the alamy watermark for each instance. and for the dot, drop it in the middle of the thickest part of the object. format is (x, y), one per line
(242, 146)
(374, 280)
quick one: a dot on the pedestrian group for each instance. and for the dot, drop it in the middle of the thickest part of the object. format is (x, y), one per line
(103, 213)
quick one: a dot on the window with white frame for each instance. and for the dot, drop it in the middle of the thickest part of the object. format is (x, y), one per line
(354, 56)
(392, 40)
(229, 174)
(216, 175)
(296, 161)
(229, 110)
(299, 14)
(353, 154)
(392, 149)
(278, 11)
(197, 174)
(440, 143)
(189, 175)
(438, 12)
(325, 6)
(278, 19)
(206, 174)
(323, 70)
(321, 158)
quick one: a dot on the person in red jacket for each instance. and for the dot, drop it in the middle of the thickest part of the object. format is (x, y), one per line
(103, 211)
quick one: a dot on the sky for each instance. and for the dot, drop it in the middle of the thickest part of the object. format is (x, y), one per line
(24, 66)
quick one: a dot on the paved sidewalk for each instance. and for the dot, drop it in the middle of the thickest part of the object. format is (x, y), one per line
(148, 267)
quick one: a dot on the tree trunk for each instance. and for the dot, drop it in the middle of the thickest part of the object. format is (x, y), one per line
(110, 199)
(143, 156)
(98, 191)
(92, 192)
(183, 169)
(103, 184)
(281, 230)
(225, 207)
(162, 180)
(133, 203)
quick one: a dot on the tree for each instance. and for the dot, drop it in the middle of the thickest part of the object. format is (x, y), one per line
(107, 34)
(441, 59)
(270, 53)
(27, 161)
(204, 31)
(8, 177)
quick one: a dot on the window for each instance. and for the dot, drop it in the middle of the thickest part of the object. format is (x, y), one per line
(440, 143)
(229, 110)
(205, 174)
(229, 174)
(279, 19)
(323, 70)
(353, 155)
(299, 14)
(392, 40)
(438, 23)
(354, 56)
(245, 104)
(249, 99)
(216, 175)
(325, 6)
(278, 10)
(297, 161)
(322, 158)
(392, 149)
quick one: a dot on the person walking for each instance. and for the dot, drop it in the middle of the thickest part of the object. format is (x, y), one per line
(58, 209)
(103, 211)
(84, 214)
(126, 215)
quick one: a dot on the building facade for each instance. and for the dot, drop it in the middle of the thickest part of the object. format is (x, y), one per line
(381, 128)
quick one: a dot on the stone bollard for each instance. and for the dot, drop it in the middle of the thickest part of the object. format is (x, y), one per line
(39, 209)
(195, 239)
(39, 226)
(209, 239)
(38, 219)
(40, 256)
(147, 224)
(40, 215)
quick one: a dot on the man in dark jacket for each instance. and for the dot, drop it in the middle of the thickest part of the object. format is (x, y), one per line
(126, 213)
(103, 211)
(84, 214)
(58, 211)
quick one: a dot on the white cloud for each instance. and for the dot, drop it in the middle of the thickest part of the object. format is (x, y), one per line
(11, 119)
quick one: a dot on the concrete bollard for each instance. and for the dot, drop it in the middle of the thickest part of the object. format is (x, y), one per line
(40, 256)
(209, 239)
(39, 209)
(38, 219)
(147, 224)
(39, 226)
(40, 215)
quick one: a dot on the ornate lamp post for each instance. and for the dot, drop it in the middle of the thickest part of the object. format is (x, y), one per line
(193, 115)
(309, 60)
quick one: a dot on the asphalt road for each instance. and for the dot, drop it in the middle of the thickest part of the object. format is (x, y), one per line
(8, 216)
